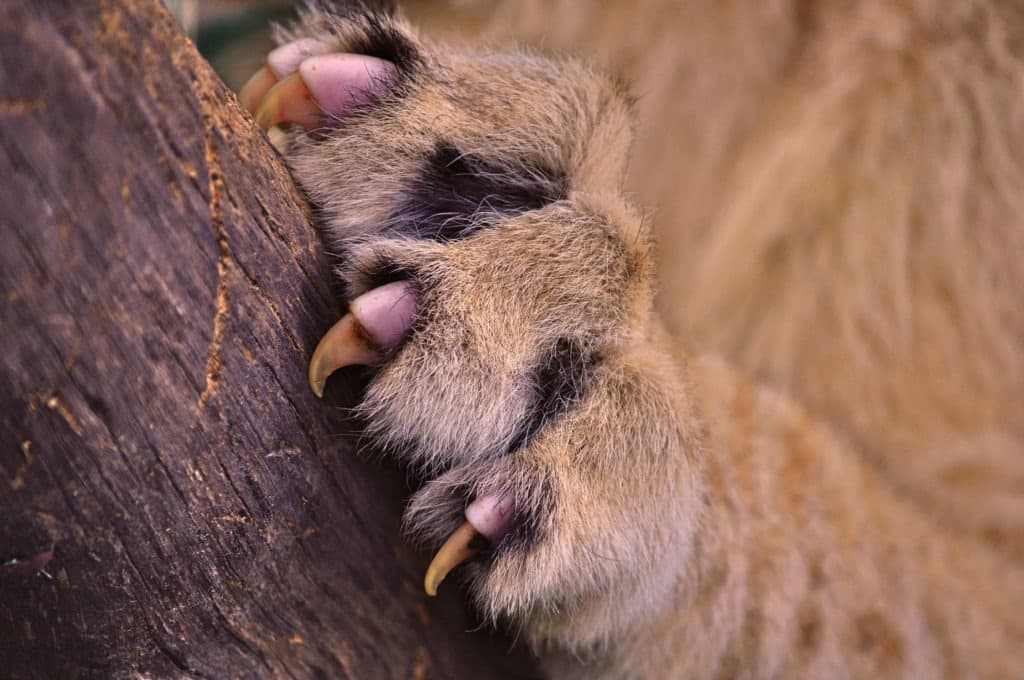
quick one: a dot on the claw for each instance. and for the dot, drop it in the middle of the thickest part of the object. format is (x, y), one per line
(378, 319)
(488, 517)
(281, 62)
(454, 552)
(256, 88)
(301, 85)
(345, 344)
(289, 101)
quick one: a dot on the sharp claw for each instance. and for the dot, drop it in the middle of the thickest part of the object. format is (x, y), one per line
(256, 88)
(378, 319)
(454, 552)
(345, 344)
(281, 62)
(289, 101)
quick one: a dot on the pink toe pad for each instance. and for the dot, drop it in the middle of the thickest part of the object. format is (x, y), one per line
(285, 60)
(386, 313)
(491, 515)
(340, 81)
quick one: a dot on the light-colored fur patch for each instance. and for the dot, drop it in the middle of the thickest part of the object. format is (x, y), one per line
(802, 457)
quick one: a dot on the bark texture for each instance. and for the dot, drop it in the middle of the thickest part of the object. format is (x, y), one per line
(173, 499)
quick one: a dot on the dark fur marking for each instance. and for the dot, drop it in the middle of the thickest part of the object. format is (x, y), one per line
(529, 527)
(384, 41)
(380, 37)
(382, 273)
(560, 381)
(456, 194)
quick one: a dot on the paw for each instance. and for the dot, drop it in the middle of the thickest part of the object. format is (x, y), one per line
(501, 284)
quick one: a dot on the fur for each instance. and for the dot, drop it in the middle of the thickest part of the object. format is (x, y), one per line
(804, 457)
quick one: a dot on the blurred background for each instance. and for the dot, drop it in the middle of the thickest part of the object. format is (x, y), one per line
(233, 35)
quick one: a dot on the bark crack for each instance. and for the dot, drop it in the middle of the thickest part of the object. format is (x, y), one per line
(222, 300)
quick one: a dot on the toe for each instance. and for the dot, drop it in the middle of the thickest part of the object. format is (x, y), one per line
(339, 82)
(285, 60)
(330, 85)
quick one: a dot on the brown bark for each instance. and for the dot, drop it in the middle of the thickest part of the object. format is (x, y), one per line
(173, 499)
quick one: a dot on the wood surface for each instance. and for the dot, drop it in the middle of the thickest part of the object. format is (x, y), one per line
(174, 501)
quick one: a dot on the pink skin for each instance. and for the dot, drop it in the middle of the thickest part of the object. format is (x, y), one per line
(285, 60)
(301, 82)
(378, 319)
(340, 81)
(386, 313)
(491, 515)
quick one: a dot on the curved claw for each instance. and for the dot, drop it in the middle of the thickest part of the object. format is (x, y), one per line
(454, 552)
(281, 62)
(256, 88)
(318, 86)
(378, 319)
(289, 101)
(345, 344)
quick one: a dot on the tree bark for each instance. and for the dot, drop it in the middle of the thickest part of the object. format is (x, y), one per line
(173, 498)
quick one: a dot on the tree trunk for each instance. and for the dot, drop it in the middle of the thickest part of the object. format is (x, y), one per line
(173, 498)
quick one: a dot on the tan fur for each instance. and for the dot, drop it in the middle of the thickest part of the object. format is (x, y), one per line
(838, 201)
(838, 193)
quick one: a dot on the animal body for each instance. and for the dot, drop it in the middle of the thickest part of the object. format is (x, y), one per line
(788, 441)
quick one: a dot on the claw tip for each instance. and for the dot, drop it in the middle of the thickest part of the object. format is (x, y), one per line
(343, 345)
(454, 552)
(317, 375)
